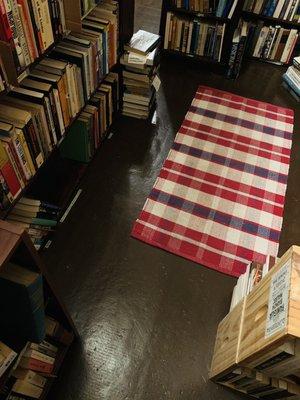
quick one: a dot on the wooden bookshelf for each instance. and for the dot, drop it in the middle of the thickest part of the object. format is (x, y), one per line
(16, 246)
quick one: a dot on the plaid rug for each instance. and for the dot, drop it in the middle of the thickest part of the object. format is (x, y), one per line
(219, 197)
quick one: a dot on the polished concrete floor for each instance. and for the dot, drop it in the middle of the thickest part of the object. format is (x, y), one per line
(147, 319)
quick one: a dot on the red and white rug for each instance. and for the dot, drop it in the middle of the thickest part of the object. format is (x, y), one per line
(219, 197)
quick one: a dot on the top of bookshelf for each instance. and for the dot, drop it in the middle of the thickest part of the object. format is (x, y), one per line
(276, 21)
(196, 14)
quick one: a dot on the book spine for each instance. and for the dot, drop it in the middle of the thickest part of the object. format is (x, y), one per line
(36, 365)
(8, 173)
(10, 151)
(8, 36)
(30, 36)
(12, 24)
(27, 154)
(20, 31)
(36, 298)
(21, 156)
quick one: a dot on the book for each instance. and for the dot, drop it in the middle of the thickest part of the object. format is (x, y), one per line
(7, 356)
(29, 376)
(22, 302)
(142, 42)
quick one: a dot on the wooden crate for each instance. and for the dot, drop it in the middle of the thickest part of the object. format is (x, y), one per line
(227, 344)
(261, 333)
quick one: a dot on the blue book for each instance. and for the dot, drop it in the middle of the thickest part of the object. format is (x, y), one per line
(221, 7)
(22, 304)
(288, 80)
(194, 35)
(272, 7)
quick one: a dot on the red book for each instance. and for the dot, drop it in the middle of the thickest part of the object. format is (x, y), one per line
(5, 28)
(36, 365)
(29, 28)
(8, 173)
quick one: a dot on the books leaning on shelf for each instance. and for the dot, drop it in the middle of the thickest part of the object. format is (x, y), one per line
(38, 218)
(194, 37)
(282, 9)
(220, 8)
(237, 50)
(272, 43)
(31, 27)
(35, 116)
(291, 79)
(139, 73)
(91, 127)
(247, 281)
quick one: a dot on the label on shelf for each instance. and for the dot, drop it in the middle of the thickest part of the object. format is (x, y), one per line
(279, 300)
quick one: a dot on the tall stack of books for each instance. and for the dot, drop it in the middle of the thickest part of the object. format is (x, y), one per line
(220, 8)
(194, 37)
(34, 117)
(291, 79)
(282, 9)
(140, 64)
(30, 27)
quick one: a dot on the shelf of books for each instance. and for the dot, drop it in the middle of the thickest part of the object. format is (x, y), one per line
(60, 108)
(276, 11)
(35, 329)
(200, 31)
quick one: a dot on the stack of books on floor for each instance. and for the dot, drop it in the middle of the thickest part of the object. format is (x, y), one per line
(30, 27)
(194, 37)
(140, 63)
(220, 8)
(283, 9)
(247, 281)
(38, 218)
(291, 79)
(34, 117)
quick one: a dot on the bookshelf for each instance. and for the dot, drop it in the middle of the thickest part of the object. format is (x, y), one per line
(75, 170)
(230, 24)
(16, 247)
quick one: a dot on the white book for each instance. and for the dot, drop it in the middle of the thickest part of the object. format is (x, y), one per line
(230, 14)
(288, 9)
(167, 31)
(294, 11)
(289, 44)
(278, 8)
(59, 111)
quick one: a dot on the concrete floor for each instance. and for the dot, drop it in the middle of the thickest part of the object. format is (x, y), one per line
(147, 319)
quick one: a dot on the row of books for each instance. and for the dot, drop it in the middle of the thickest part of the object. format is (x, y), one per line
(291, 79)
(283, 9)
(219, 8)
(34, 117)
(37, 217)
(272, 43)
(237, 50)
(247, 281)
(139, 73)
(31, 27)
(83, 139)
(194, 37)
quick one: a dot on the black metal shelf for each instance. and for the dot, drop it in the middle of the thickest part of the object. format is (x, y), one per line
(247, 15)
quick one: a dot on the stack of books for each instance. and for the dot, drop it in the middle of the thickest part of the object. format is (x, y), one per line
(272, 43)
(247, 281)
(283, 9)
(291, 79)
(30, 27)
(37, 217)
(35, 116)
(220, 8)
(140, 63)
(194, 37)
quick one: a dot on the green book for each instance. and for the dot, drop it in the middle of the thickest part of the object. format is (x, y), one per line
(76, 145)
